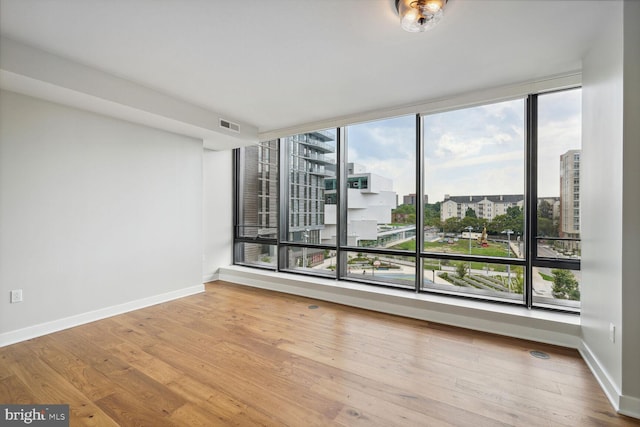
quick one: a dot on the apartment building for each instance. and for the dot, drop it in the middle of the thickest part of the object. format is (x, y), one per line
(413, 199)
(485, 207)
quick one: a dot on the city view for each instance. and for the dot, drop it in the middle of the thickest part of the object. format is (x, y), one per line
(473, 203)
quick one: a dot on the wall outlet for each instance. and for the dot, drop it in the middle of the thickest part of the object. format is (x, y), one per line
(16, 296)
(612, 332)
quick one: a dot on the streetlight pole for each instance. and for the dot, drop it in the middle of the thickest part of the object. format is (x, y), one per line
(508, 233)
(305, 235)
(469, 228)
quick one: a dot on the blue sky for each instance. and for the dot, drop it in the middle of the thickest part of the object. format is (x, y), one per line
(473, 151)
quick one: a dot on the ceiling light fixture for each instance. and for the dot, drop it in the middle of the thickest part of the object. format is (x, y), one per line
(419, 15)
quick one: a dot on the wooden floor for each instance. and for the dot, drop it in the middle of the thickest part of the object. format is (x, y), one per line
(246, 357)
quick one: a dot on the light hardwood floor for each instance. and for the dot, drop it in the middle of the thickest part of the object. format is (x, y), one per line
(241, 356)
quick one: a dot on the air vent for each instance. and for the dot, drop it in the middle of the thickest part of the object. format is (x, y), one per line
(229, 125)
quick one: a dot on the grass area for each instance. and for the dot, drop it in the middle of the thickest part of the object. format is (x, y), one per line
(459, 247)
(546, 277)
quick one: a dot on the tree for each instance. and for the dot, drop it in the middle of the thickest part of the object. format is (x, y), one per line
(470, 213)
(515, 219)
(432, 214)
(405, 214)
(547, 227)
(405, 209)
(469, 221)
(565, 285)
(545, 210)
(498, 224)
(512, 220)
(453, 225)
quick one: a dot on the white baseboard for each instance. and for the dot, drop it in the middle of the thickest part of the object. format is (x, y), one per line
(12, 337)
(629, 406)
(625, 405)
(606, 383)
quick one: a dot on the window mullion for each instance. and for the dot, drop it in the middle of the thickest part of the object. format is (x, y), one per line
(419, 203)
(283, 201)
(531, 191)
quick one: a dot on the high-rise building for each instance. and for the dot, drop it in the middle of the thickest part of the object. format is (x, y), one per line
(412, 199)
(259, 210)
(309, 165)
(570, 194)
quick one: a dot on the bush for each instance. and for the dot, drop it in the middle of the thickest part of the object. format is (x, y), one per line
(461, 270)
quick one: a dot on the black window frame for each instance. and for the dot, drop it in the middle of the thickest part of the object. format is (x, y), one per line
(531, 260)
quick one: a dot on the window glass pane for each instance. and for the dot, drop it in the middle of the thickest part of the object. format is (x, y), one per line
(558, 218)
(489, 280)
(559, 151)
(256, 254)
(315, 261)
(558, 248)
(556, 287)
(312, 162)
(389, 270)
(380, 170)
(474, 174)
(258, 216)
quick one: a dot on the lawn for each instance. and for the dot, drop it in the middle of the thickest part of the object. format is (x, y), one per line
(459, 247)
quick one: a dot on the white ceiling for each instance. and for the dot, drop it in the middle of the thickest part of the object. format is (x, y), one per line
(281, 63)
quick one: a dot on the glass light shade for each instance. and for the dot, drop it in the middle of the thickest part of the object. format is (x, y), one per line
(420, 15)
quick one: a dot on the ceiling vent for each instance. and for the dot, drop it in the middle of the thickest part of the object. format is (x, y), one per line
(234, 127)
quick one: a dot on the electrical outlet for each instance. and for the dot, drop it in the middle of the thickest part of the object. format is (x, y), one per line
(612, 332)
(16, 296)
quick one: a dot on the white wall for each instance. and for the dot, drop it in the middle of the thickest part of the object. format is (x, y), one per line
(610, 204)
(601, 193)
(631, 213)
(95, 213)
(217, 212)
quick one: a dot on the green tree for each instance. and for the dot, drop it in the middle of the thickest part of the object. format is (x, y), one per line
(405, 209)
(432, 214)
(547, 227)
(512, 220)
(545, 210)
(515, 219)
(470, 213)
(408, 213)
(453, 225)
(498, 225)
(469, 221)
(565, 285)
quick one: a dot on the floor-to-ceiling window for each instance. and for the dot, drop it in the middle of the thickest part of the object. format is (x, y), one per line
(256, 213)
(380, 171)
(308, 236)
(474, 166)
(556, 271)
(479, 202)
